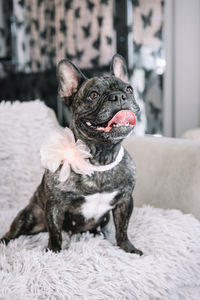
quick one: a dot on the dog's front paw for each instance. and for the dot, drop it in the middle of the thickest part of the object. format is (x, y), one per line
(53, 248)
(128, 247)
(136, 251)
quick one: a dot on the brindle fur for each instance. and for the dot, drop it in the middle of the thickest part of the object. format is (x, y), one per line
(56, 206)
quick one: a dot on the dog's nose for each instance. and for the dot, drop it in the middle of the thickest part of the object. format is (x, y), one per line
(117, 97)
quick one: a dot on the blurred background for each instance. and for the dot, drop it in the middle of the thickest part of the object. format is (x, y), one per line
(160, 40)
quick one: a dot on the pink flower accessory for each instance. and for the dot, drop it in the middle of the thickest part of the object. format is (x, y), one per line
(60, 148)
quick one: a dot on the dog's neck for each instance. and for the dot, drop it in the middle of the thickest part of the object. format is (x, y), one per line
(102, 153)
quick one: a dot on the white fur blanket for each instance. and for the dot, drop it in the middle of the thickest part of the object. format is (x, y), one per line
(88, 267)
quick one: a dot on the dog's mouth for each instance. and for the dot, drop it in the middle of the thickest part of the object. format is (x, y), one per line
(122, 119)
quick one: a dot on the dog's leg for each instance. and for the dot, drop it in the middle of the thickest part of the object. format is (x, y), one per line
(55, 215)
(121, 216)
(28, 221)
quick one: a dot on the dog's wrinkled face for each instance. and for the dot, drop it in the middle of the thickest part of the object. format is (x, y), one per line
(103, 107)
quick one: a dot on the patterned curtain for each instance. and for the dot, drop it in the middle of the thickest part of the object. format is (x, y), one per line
(45, 31)
(3, 46)
(149, 62)
(21, 48)
(49, 30)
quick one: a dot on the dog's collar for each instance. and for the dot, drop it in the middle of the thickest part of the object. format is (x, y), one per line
(60, 148)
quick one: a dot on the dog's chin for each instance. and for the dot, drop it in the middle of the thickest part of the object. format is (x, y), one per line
(116, 128)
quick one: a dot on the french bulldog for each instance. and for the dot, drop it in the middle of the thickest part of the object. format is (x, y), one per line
(103, 114)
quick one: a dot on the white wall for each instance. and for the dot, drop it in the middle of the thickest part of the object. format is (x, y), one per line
(182, 77)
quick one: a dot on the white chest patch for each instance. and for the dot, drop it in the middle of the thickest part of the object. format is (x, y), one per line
(97, 204)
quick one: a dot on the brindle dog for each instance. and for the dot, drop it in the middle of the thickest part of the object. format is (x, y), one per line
(102, 116)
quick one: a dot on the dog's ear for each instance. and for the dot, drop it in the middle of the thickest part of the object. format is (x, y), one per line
(69, 78)
(118, 67)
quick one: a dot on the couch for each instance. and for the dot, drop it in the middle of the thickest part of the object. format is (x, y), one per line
(168, 172)
(163, 225)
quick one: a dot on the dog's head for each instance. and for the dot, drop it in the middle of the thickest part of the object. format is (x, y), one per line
(103, 108)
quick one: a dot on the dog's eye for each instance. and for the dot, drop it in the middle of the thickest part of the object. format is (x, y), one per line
(93, 95)
(129, 90)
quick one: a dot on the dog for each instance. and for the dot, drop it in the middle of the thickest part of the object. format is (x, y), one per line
(103, 114)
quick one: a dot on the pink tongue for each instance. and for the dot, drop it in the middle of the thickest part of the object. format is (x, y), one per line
(123, 117)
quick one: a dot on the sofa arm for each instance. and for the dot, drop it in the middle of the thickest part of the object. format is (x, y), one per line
(168, 172)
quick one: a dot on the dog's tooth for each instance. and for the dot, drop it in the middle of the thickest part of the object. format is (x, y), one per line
(73, 223)
(88, 123)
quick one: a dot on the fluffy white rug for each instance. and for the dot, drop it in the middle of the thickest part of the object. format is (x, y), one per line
(88, 267)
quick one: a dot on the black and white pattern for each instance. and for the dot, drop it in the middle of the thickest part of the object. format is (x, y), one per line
(5, 30)
(149, 62)
(3, 48)
(46, 31)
